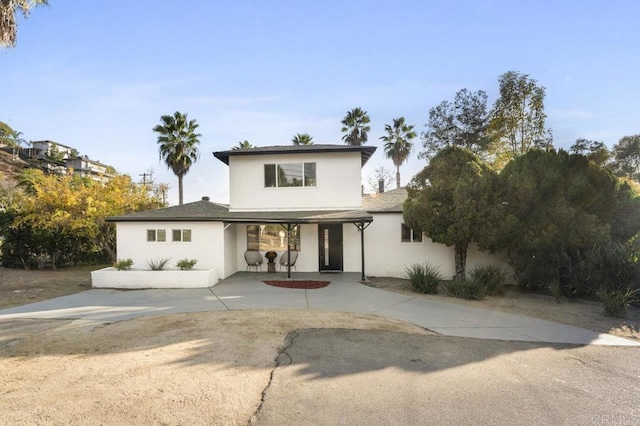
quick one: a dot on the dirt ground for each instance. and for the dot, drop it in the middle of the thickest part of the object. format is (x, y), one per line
(580, 313)
(19, 287)
(198, 368)
(185, 369)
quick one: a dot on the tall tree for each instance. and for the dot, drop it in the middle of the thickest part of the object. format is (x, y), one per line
(355, 127)
(453, 201)
(9, 10)
(462, 123)
(518, 119)
(245, 144)
(302, 139)
(626, 154)
(595, 151)
(178, 145)
(398, 145)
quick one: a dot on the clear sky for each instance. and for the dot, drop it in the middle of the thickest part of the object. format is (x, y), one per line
(97, 75)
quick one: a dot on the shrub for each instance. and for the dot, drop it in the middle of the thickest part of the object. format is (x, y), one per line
(123, 264)
(158, 264)
(615, 301)
(556, 290)
(465, 289)
(492, 277)
(186, 264)
(424, 278)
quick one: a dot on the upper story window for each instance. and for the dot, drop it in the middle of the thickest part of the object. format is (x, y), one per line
(283, 175)
(408, 235)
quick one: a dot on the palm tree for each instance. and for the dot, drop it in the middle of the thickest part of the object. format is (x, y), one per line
(355, 127)
(302, 139)
(178, 145)
(398, 144)
(8, 18)
(15, 141)
(243, 145)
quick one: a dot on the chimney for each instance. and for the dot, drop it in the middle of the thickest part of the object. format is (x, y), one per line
(205, 198)
(380, 186)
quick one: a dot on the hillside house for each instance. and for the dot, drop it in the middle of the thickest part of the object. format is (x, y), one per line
(308, 198)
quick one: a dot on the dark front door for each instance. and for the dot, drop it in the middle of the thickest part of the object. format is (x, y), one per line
(330, 244)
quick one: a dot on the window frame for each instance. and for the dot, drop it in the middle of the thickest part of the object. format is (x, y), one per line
(159, 235)
(182, 235)
(258, 241)
(272, 175)
(414, 236)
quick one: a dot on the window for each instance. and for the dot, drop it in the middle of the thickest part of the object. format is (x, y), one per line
(408, 235)
(271, 237)
(289, 174)
(183, 235)
(157, 235)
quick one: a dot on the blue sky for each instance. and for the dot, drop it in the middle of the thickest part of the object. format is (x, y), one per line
(97, 75)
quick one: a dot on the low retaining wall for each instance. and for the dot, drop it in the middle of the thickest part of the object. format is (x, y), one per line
(132, 279)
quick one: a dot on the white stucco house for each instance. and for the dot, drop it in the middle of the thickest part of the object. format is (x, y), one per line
(311, 194)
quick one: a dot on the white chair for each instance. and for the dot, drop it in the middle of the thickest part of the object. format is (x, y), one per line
(284, 258)
(253, 258)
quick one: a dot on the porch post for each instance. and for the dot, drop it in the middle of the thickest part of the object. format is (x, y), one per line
(288, 251)
(364, 278)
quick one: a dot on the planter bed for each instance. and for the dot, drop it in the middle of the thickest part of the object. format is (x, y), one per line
(139, 278)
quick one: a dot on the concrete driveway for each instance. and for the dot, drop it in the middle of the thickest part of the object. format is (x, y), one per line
(345, 293)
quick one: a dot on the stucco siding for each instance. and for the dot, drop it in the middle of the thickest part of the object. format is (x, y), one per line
(387, 256)
(337, 187)
(207, 244)
(230, 250)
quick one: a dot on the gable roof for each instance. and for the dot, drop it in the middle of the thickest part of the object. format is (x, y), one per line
(207, 211)
(365, 151)
(385, 202)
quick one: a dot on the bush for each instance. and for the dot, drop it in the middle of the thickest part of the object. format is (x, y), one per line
(492, 277)
(186, 264)
(465, 289)
(158, 264)
(556, 290)
(123, 264)
(424, 278)
(615, 301)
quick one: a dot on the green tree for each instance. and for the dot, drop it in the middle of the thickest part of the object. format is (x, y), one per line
(595, 151)
(63, 218)
(243, 145)
(557, 201)
(397, 143)
(355, 127)
(302, 139)
(9, 10)
(178, 145)
(11, 138)
(626, 155)
(517, 121)
(462, 123)
(453, 201)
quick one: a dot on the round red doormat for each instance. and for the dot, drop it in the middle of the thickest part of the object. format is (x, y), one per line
(307, 285)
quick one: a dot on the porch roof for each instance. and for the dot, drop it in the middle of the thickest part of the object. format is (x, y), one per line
(207, 211)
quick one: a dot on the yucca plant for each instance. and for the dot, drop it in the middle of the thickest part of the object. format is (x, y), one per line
(465, 289)
(158, 264)
(424, 278)
(615, 302)
(492, 277)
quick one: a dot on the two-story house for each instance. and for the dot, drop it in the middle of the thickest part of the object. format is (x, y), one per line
(306, 198)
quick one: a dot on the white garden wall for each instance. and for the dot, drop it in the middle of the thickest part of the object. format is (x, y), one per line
(137, 279)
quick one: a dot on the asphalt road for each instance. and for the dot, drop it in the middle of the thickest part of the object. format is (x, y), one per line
(351, 377)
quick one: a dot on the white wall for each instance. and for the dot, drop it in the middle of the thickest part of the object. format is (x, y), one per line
(230, 250)
(337, 187)
(387, 256)
(207, 244)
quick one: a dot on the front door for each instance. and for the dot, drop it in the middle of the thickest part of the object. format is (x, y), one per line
(330, 245)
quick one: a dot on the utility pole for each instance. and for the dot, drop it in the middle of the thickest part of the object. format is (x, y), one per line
(144, 175)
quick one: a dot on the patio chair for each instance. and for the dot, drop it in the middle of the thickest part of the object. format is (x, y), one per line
(253, 258)
(284, 258)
